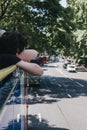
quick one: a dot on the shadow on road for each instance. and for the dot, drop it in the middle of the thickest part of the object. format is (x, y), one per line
(52, 90)
(34, 124)
(47, 128)
(56, 88)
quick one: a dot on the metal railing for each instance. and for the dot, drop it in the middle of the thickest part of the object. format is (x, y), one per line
(14, 101)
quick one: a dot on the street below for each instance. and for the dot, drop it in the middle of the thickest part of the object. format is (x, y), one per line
(60, 102)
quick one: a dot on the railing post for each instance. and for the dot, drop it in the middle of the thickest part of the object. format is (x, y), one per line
(26, 101)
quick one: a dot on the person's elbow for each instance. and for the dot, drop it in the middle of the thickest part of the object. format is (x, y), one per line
(40, 72)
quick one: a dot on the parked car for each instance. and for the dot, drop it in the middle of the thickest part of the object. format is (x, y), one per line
(71, 68)
(65, 64)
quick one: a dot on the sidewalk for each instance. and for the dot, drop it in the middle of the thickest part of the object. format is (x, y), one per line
(47, 111)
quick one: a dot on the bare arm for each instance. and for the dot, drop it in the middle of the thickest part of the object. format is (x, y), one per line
(27, 55)
(31, 68)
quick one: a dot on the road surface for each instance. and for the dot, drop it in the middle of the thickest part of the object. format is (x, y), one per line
(60, 103)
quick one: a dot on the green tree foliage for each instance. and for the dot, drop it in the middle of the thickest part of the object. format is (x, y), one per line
(4, 4)
(46, 24)
(79, 19)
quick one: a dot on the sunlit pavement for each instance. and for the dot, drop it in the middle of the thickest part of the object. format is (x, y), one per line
(60, 103)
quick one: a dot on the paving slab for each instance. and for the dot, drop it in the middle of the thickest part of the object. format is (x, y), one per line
(74, 111)
(47, 115)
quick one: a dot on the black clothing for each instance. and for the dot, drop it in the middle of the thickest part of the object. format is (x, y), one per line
(37, 60)
(7, 60)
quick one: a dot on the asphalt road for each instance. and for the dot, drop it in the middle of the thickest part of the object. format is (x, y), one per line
(60, 103)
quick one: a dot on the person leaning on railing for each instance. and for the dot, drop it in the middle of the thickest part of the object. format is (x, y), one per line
(12, 51)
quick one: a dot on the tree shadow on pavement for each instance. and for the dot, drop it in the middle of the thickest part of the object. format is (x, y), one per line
(48, 128)
(34, 124)
(52, 89)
